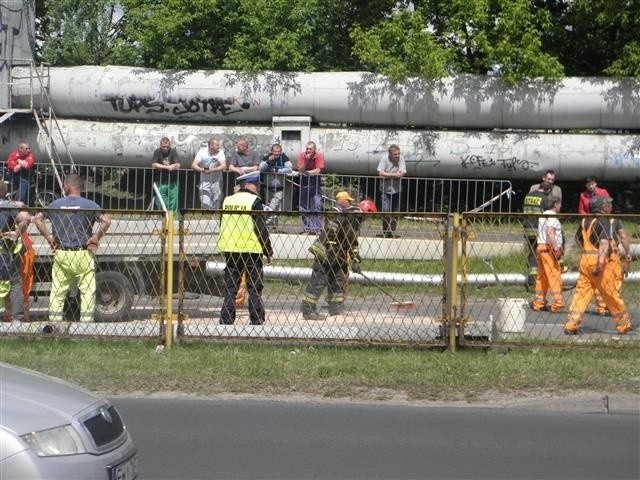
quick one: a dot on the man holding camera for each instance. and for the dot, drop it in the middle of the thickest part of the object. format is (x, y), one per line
(273, 167)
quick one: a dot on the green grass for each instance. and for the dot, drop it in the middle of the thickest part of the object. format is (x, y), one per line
(367, 373)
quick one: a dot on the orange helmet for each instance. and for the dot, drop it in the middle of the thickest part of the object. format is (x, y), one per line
(367, 206)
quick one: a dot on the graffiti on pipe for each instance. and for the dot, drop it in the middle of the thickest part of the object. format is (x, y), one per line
(150, 106)
(511, 164)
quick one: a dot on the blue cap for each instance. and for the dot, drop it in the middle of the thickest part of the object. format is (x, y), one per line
(252, 177)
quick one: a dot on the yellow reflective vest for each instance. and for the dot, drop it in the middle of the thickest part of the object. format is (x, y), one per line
(238, 230)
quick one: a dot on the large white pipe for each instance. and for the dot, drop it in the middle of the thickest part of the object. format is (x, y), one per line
(358, 98)
(352, 151)
(297, 273)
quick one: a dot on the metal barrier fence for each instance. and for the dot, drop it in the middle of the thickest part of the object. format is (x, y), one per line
(131, 188)
(444, 280)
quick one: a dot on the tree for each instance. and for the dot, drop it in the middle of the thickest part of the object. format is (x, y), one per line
(176, 34)
(248, 35)
(76, 32)
(515, 43)
(460, 36)
(602, 37)
(517, 39)
(400, 47)
(628, 63)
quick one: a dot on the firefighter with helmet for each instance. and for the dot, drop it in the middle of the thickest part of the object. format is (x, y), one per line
(335, 251)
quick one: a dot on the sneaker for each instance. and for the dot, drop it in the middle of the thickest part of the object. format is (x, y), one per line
(313, 316)
(572, 328)
(535, 308)
(558, 309)
(603, 312)
(624, 328)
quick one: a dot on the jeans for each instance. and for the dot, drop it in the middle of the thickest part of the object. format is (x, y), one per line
(390, 203)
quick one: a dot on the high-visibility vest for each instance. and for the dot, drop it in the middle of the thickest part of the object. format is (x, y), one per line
(237, 230)
(534, 202)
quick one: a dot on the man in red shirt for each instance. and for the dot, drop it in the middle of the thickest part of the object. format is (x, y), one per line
(20, 164)
(591, 190)
(310, 168)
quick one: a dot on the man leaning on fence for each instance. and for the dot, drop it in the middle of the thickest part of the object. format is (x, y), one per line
(311, 166)
(166, 167)
(274, 166)
(244, 240)
(600, 268)
(74, 245)
(210, 161)
(391, 168)
(20, 165)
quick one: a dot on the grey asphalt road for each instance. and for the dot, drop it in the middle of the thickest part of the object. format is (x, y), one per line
(186, 438)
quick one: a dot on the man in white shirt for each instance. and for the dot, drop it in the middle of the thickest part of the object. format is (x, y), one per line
(210, 162)
(548, 254)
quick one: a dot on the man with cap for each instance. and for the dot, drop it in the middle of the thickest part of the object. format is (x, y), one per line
(334, 251)
(599, 268)
(621, 262)
(534, 205)
(244, 240)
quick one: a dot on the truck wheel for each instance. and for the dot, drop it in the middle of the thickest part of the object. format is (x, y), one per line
(114, 297)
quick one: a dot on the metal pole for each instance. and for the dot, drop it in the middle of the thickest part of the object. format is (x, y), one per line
(451, 277)
(169, 285)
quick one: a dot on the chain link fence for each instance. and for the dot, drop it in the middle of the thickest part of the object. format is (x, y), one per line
(388, 302)
(129, 270)
(498, 292)
(441, 280)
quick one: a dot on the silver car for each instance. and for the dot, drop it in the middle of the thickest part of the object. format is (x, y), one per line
(50, 429)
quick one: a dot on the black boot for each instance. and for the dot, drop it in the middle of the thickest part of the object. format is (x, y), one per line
(336, 309)
(309, 311)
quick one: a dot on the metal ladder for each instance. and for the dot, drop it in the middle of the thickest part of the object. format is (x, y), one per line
(41, 108)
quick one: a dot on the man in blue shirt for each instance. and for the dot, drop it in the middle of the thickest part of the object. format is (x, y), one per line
(74, 245)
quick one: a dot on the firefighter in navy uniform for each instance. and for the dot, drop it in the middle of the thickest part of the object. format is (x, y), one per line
(535, 202)
(334, 251)
(244, 240)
